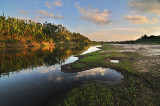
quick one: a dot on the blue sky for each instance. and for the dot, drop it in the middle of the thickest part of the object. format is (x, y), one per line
(100, 20)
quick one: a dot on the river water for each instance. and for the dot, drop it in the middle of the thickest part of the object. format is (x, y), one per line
(33, 77)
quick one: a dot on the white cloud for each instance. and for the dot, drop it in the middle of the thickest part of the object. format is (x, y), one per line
(95, 15)
(23, 12)
(92, 72)
(46, 14)
(148, 6)
(57, 3)
(137, 19)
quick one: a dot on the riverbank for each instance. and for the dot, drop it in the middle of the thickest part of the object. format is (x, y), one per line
(19, 44)
(138, 63)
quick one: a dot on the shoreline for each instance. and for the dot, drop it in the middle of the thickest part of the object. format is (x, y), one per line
(135, 83)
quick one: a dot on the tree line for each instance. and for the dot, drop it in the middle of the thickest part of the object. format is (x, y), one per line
(142, 40)
(26, 31)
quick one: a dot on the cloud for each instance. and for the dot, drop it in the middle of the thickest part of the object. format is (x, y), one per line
(56, 3)
(48, 4)
(76, 3)
(118, 33)
(46, 14)
(148, 6)
(111, 36)
(142, 30)
(23, 12)
(95, 15)
(92, 72)
(155, 20)
(40, 17)
(137, 19)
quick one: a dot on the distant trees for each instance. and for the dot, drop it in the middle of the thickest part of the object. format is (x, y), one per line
(142, 40)
(149, 38)
(29, 31)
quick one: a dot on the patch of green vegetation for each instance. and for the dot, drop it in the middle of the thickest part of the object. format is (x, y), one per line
(116, 54)
(98, 94)
(126, 65)
(89, 94)
(109, 47)
(137, 89)
(91, 59)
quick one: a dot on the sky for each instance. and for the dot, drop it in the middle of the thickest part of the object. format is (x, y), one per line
(99, 20)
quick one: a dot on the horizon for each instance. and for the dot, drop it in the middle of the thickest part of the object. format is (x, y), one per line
(97, 20)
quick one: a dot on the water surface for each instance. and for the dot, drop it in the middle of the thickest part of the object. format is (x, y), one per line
(31, 77)
(114, 61)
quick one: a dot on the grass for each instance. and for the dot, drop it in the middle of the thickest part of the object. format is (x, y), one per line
(136, 89)
(109, 47)
(99, 94)
(91, 59)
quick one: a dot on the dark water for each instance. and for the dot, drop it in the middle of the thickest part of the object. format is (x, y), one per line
(31, 77)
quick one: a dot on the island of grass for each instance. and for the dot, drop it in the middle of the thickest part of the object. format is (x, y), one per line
(19, 33)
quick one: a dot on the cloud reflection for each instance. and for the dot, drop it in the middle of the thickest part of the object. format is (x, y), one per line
(93, 72)
(45, 69)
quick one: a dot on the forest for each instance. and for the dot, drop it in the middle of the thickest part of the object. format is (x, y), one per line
(14, 31)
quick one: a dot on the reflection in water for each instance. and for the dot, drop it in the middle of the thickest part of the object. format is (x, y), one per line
(24, 58)
(35, 75)
(101, 74)
(114, 61)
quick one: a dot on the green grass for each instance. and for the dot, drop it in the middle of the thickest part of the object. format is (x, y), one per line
(98, 94)
(109, 47)
(91, 59)
(126, 65)
(89, 94)
(136, 89)
(116, 54)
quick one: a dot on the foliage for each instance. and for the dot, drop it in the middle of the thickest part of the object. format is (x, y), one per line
(25, 32)
(13, 59)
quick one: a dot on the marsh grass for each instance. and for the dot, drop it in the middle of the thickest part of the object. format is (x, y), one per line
(99, 94)
(136, 89)
(91, 59)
